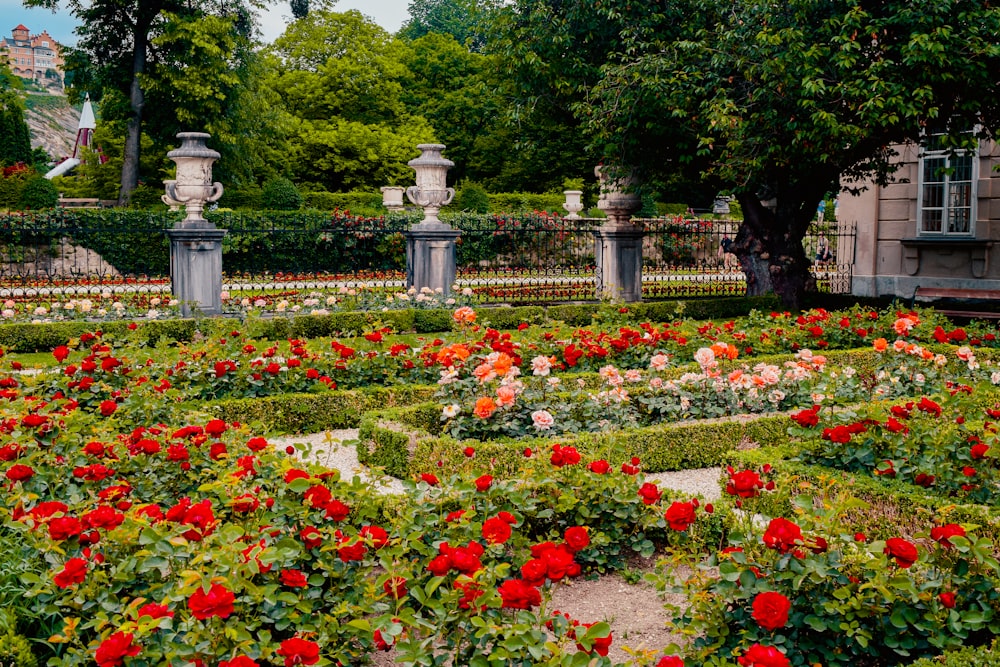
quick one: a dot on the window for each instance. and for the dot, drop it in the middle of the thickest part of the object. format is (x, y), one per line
(947, 200)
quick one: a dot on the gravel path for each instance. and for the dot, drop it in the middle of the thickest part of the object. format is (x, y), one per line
(327, 449)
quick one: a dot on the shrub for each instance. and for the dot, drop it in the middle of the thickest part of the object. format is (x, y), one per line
(978, 656)
(357, 202)
(280, 194)
(472, 197)
(39, 192)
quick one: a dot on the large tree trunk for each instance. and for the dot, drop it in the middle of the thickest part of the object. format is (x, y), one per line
(769, 247)
(137, 100)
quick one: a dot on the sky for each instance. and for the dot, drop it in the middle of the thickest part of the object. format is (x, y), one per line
(390, 14)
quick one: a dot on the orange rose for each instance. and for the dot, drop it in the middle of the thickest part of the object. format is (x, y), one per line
(880, 344)
(485, 407)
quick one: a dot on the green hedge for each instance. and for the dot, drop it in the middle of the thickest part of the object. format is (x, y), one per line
(525, 202)
(311, 413)
(40, 337)
(973, 656)
(356, 202)
(403, 441)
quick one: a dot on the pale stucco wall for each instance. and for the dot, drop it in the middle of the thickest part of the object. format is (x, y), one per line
(887, 264)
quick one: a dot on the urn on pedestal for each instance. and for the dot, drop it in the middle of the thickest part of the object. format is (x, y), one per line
(430, 244)
(574, 204)
(195, 243)
(392, 198)
(618, 243)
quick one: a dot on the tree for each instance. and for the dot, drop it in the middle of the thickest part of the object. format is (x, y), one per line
(786, 98)
(340, 78)
(125, 44)
(465, 20)
(15, 139)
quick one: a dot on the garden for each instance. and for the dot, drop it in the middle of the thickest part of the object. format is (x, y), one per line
(162, 504)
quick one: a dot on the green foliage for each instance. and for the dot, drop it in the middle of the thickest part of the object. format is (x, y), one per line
(38, 192)
(972, 656)
(472, 197)
(463, 20)
(15, 140)
(357, 202)
(16, 650)
(242, 198)
(280, 194)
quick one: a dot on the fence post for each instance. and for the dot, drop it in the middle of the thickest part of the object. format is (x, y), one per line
(195, 243)
(430, 245)
(618, 243)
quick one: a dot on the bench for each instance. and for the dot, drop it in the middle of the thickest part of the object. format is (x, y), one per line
(963, 294)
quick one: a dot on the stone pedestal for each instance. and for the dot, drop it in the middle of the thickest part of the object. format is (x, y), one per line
(196, 269)
(430, 256)
(618, 252)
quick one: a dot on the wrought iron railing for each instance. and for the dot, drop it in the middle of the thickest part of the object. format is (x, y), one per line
(500, 259)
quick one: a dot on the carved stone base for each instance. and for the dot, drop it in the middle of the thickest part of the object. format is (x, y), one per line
(430, 256)
(196, 270)
(618, 252)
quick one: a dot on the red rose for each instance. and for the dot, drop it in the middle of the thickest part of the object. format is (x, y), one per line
(154, 611)
(763, 656)
(104, 517)
(73, 572)
(64, 528)
(484, 482)
(439, 565)
(680, 516)
(60, 353)
(375, 534)
(311, 537)
(600, 645)
(782, 534)
(217, 601)
(336, 510)
(943, 534)
(650, 493)
(947, 599)
(395, 587)
(19, 472)
(216, 427)
(577, 538)
(745, 484)
(517, 594)
(840, 434)
(670, 661)
(113, 650)
(293, 579)
(496, 530)
(108, 408)
(429, 478)
(257, 444)
(245, 503)
(297, 651)
(770, 610)
(599, 467)
(348, 551)
(978, 451)
(806, 418)
(904, 552)
(239, 661)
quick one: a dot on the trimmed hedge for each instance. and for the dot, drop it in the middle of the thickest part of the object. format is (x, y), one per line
(310, 413)
(405, 443)
(973, 656)
(344, 201)
(40, 337)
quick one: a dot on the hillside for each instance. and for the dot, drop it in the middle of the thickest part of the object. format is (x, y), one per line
(53, 123)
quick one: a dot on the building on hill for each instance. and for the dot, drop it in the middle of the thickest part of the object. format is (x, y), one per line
(33, 57)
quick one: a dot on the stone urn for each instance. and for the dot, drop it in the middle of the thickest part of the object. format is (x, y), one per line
(616, 201)
(193, 186)
(392, 197)
(574, 204)
(431, 191)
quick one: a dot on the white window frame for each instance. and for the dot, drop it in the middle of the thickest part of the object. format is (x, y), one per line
(946, 206)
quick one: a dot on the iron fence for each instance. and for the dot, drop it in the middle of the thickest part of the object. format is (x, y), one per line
(500, 259)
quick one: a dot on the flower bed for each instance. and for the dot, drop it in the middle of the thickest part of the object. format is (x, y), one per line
(149, 531)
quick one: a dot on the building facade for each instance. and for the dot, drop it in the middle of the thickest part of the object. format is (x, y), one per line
(34, 57)
(936, 225)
